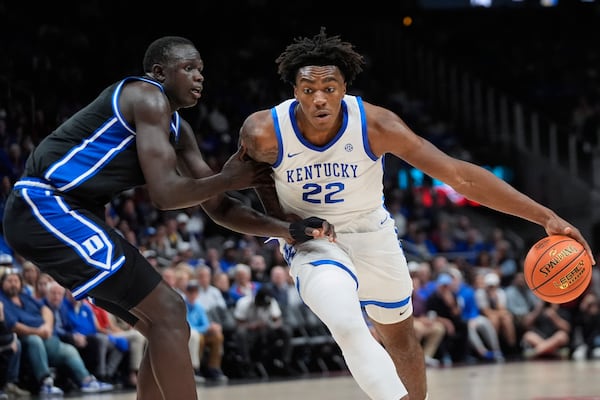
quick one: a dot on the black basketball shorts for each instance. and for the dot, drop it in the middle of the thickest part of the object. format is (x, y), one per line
(76, 247)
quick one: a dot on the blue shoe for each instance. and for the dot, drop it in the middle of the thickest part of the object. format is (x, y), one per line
(49, 390)
(93, 385)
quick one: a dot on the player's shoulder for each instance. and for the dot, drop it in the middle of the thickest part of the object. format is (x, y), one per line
(257, 122)
(144, 95)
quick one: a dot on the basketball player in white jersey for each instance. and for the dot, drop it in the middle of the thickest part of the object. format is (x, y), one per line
(326, 149)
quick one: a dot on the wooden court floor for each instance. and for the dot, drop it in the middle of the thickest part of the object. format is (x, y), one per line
(532, 380)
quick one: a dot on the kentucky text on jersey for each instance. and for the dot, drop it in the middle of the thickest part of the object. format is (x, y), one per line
(320, 170)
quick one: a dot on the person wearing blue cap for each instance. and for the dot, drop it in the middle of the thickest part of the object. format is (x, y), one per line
(446, 305)
(444, 279)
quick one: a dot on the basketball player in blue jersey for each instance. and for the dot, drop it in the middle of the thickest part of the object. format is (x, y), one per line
(132, 135)
(326, 149)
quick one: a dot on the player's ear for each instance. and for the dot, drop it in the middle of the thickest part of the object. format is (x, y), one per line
(158, 72)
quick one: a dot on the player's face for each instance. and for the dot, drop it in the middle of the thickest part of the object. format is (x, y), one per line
(319, 90)
(183, 76)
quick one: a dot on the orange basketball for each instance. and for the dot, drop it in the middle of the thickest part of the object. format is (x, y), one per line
(558, 269)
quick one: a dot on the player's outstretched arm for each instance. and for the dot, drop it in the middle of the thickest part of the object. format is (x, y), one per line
(235, 215)
(389, 134)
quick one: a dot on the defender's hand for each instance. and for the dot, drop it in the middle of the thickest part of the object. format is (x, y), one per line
(310, 228)
(243, 172)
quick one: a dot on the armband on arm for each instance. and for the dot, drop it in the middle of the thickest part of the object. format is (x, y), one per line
(298, 228)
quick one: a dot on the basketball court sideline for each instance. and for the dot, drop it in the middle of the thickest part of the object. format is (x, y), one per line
(531, 380)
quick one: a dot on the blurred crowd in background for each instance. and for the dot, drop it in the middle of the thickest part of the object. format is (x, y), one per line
(471, 303)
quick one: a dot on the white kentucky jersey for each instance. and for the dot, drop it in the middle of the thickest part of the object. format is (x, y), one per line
(339, 181)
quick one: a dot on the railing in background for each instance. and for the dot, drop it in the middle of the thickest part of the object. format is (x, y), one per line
(492, 115)
(552, 164)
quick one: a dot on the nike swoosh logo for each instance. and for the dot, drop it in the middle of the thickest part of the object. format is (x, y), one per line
(290, 155)
(385, 219)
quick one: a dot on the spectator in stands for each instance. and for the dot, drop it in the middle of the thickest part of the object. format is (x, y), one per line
(195, 226)
(429, 328)
(423, 271)
(211, 259)
(10, 357)
(522, 303)
(484, 261)
(211, 298)
(41, 286)
(198, 322)
(439, 264)
(222, 282)
(250, 245)
(588, 322)
(417, 242)
(172, 238)
(204, 334)
(483, 337)
(471, 244)
(185, 254)
(125, 230)
(242, 284)
(7, 263)
(595, 284)
(183, 222)
(230, 256)
(183, 273)
(261, 334)
(169, 275)
(128, 213)
(74, 323)
(505, 264)
(491, 300)
(208, 294)
(549, 334)
(156, 242)
(258, 266)
(279, 285)
(152, 258)
(441, 235)
(8, 349)
(31, 274)
(34, 325)
(444, 302)
(117, 329)
(101, 353)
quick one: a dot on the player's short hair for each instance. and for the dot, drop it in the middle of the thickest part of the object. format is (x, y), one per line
(319, 50)
(159, 51)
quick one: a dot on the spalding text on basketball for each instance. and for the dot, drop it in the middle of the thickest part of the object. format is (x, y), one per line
(567, 251)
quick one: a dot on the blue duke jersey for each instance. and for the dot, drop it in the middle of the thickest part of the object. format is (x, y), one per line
(92, 156)
(340, 181)
(59, 203)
